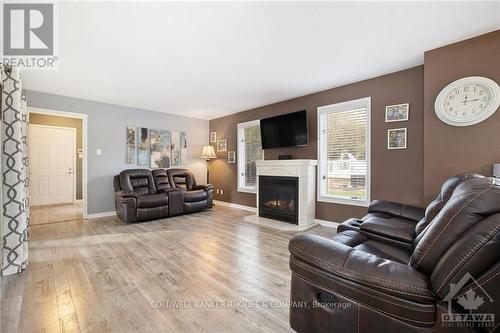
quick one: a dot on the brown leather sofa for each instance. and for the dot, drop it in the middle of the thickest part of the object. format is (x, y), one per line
(354, 283)
(399, 224)
(142, 195)
(196, 197)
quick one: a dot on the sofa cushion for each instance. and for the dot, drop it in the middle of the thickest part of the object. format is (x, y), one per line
(152, 200)
(161, 180)
(361, 242)
(137, 180)
(393, 227)
(394, 278)
(194, 196)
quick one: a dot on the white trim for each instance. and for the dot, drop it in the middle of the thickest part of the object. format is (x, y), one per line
(78, 201)
(250, 190)
(84, 118)
(357, 103)
(241, 159)
(328, 224)
(233, 205)
(100, 215)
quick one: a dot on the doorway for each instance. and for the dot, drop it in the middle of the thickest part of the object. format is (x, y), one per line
(55, 168)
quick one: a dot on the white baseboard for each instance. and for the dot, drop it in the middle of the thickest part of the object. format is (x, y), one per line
(233, 205)
(99, 215)
(328, 224)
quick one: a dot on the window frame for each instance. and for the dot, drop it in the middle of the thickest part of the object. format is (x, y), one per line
(339, 107)
(241, 152)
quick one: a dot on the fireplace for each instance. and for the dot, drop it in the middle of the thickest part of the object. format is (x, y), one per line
(279, 198)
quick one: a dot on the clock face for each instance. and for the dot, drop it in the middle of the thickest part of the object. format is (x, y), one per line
(467, 101)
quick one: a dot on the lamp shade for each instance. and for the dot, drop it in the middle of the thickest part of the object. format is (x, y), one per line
(496, 170)
(208, 153)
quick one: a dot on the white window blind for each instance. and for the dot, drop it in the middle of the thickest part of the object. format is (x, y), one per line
(249, 151)
(343, 152)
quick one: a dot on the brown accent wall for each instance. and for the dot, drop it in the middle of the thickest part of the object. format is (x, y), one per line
(43, 119)
(452, 150)
(396, 175)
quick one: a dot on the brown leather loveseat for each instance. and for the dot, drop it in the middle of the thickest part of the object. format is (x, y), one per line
(448, 281)
(196, 197)
(142, 194)
(400, 224)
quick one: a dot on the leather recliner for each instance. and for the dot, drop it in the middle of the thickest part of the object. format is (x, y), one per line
(354, 283)
(399, 224)
(196, 197)
(137, 197)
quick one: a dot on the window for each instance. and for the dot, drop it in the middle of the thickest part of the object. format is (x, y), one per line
(249, 151)
(344, 152)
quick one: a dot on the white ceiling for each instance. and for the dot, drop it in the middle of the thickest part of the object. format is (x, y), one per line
(208, 60)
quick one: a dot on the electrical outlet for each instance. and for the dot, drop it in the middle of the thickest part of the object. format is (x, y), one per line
(217, 191)
(221, 191)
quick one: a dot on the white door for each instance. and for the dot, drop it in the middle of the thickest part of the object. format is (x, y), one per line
(52, 162)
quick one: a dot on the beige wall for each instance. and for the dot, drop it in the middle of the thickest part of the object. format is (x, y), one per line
(397, 175)
(42, 119)
(450, 150)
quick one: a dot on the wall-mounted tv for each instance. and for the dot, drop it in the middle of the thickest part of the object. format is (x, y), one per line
(285, 130)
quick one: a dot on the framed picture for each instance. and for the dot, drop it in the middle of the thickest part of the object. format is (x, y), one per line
(131, 145)
(175, 149)
(142, 146)
(396, 138)
(184, 146)
(398, 112)
(231, 157)
(213, 137)
(160, 148)
(222, 145)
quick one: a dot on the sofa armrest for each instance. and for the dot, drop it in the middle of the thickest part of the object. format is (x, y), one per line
(397, 210)
(349, 264)
(126, 194)
(206, 187)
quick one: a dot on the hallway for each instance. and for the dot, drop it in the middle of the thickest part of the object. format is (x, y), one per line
(55, 213)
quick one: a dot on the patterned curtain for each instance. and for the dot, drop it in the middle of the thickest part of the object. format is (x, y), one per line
(14, 194)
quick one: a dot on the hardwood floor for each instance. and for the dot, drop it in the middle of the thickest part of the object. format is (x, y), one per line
(105, 276)
(55, 213)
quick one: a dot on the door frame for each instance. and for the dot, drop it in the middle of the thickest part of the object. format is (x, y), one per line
(84, 118)
(73, 130)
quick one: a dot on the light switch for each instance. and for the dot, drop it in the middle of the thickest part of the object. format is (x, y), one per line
(98, 152)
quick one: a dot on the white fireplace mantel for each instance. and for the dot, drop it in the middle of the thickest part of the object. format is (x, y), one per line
(305, 171)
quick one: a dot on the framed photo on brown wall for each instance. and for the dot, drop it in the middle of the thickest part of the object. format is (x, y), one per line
(222, 145)
(213, 137)
(397, 138)
(397, 112)
(231, 157)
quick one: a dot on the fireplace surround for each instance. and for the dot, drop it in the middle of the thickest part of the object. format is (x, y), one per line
(304, 173)
(279, 198)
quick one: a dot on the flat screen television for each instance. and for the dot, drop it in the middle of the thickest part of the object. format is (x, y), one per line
(286, 130)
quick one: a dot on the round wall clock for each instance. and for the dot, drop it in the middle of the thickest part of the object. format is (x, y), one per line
(467, 101)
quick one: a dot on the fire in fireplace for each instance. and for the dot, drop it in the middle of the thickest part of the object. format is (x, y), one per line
(278, 198)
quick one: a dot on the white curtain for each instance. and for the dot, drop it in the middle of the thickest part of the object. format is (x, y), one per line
(14, 221)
